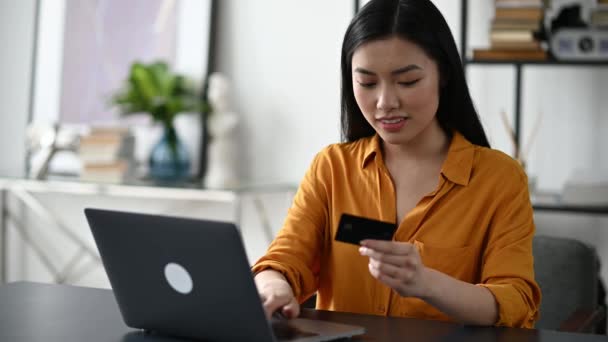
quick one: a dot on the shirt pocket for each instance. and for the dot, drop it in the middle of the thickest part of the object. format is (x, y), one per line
(457, 262)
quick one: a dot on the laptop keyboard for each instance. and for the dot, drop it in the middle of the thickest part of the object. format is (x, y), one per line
(285, 332)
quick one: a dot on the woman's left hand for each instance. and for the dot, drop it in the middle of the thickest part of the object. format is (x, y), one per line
(398, 265)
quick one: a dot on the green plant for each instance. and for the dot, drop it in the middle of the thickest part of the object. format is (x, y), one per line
(155, 89)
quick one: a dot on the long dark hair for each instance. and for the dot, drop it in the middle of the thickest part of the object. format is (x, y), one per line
(420, 22)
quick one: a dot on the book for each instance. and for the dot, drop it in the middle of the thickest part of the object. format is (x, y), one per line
(107, 154)
(106, 173)
(515, 55)
(510, 24)
(511, 36)
(516, 13)
(534, 45)
(109, 130)
(518, 3)
(104, 148)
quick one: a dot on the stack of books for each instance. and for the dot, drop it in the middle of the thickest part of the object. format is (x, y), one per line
(107, 154)
(513, 33)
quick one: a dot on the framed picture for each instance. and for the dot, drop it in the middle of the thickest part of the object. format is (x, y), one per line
(84, 50)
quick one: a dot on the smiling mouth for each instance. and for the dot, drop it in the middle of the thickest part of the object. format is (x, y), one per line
(393, 120)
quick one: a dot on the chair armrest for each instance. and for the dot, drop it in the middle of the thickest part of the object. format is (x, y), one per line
(583, 321)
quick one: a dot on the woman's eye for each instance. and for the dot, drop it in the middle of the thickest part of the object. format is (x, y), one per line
(367, 84)
(410, 83)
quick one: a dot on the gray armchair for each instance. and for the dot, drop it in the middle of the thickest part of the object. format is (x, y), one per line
(567, 272)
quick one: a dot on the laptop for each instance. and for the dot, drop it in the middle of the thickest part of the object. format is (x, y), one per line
(191, 278)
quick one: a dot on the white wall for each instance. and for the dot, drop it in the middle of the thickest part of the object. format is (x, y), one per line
(284, 59)
(16, 35)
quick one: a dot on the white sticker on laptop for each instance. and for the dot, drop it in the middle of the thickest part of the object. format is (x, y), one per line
(178, 278)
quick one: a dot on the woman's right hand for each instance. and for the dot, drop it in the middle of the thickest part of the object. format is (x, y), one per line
(276, 294)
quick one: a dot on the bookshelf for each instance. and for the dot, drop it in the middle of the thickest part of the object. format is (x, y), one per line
(542, 203)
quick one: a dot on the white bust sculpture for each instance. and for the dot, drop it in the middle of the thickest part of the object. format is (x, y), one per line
(222, 171)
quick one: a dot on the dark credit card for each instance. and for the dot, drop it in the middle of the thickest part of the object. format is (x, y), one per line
(353, 229)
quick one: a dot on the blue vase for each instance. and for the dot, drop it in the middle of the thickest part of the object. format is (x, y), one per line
(169, 160)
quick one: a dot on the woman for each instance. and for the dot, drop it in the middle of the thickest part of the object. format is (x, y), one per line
(415, 154)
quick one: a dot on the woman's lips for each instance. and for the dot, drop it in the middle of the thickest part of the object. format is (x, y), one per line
(392, 124)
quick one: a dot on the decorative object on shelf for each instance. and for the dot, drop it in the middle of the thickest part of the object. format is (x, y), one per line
(44, 144)
(580, 45)
(574, 39)
(169, 159)
(222, 169)
(521, 153)
(189, 128)
(156, 90)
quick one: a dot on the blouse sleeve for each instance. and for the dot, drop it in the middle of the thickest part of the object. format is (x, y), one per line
(508, 265)
(295, 252)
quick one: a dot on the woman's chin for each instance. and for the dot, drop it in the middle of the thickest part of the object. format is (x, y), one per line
(399, 138)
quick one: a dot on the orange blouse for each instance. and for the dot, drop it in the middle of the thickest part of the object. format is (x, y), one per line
(477, 226)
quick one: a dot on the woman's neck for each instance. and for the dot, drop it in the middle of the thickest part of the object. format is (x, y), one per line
(431, 144)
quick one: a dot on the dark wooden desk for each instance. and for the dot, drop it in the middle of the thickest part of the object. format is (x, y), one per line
(38, 312)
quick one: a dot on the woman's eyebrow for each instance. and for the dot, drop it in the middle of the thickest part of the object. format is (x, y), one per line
(394, 72)
(364, 71)
(406, 69)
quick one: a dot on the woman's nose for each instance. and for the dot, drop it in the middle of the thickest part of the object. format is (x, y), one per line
(387, 99)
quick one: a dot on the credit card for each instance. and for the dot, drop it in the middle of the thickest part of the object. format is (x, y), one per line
(353, 229)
